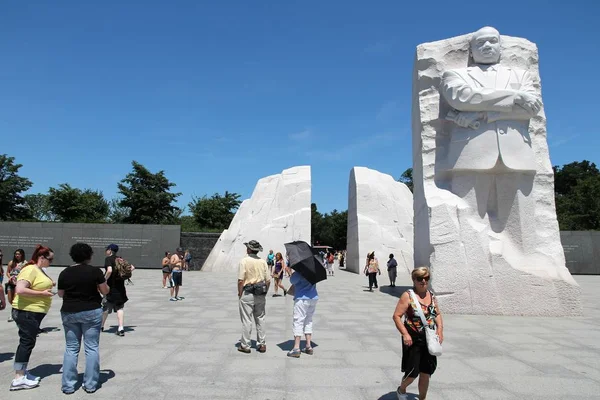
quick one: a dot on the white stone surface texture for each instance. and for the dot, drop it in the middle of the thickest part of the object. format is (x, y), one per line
(485, 216)
(380, 219)
(277, 212)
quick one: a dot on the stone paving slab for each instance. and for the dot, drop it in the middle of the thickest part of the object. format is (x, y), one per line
(187, 349)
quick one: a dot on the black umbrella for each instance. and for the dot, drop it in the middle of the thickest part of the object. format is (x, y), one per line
(305, 260)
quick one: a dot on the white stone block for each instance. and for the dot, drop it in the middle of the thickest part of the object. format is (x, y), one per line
(380, 219)
(277, 212)
(488, 231)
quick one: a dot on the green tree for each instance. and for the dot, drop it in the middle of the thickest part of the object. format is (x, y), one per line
(316, 221)
(339, 228)
(215, 212)
(147, 197)
(407, 178)
(12, 203)
(577, 195)
(329, 229)
(117, 214)
(75, 205)
(39, 207)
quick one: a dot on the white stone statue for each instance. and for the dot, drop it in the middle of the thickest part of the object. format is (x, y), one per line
(277, 212)
(380, 219)
(485, 218)
(493, 106)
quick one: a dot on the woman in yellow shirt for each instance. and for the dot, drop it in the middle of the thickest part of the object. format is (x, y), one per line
(30, 305)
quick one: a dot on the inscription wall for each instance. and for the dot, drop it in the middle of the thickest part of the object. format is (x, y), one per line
(142, 245)
(582, 251)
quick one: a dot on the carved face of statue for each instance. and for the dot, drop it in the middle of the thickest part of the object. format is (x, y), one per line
(485, 46)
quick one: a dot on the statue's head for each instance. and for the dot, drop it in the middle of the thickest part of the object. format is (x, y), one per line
(485, 46)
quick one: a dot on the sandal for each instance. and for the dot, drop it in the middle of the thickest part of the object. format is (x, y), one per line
(308, 350)
(294, 353)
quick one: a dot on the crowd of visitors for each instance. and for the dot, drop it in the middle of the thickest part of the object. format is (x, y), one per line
(90, 294)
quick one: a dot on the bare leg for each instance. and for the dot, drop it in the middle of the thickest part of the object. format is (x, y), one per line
(104, 317)
(177, 291)
(120, 317)
(423, 385)
(297, 342)
(308, 340)
(405, 384)
(276, 284)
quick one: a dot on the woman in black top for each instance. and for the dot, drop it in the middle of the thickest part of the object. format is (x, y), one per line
(80, 286)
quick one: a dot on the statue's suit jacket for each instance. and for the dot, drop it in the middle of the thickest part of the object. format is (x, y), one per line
(504, 133)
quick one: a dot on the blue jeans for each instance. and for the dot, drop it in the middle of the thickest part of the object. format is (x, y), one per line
(84, 324)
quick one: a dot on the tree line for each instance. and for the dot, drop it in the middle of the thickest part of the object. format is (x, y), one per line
(147, 198)
(576, 194)
(143, 198)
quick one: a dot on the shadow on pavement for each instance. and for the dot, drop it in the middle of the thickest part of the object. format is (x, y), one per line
(105, 375)
(289, 344)
(395, 291)
(6, 356)
(114, 328)
(394, 396)
(46, 370)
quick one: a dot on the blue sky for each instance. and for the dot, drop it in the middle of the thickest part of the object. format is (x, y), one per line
(221, 93)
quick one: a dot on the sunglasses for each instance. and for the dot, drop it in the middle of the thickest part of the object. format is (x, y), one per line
(423, 278)
(50, 259)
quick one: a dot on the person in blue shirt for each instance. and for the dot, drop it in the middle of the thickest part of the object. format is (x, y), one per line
(305, 302)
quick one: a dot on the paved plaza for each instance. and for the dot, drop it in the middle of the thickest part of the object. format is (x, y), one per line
(187, 349)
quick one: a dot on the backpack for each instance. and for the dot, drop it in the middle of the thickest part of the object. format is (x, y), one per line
(123, 268)
(330, 259)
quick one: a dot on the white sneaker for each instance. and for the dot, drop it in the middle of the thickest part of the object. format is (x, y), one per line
(23, 383)
(32, 377)
(400, 395)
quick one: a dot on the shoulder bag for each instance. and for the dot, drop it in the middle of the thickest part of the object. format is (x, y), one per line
(433, 341)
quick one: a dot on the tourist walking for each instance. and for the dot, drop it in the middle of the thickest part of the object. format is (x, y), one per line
(330, 263)
(392, 269)
(371, 270)
(253, 285)
(166, 270)
(278, 274)
(305, 303)
(416, 360)
(117, 296)
(187, 258)
(12, 271)
(80, 286)
(32, 301)
(271, 261)
(1, 270)
(2, 297)
(177, 266)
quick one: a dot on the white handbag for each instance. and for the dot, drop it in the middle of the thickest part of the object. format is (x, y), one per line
(433, 341)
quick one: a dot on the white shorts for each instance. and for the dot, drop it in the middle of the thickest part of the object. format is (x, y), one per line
(303, 316)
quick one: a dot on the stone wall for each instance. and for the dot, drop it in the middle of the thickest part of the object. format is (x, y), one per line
(200, 245)
(142, 245)
(380, 219)
(277, 212)
(582, 251)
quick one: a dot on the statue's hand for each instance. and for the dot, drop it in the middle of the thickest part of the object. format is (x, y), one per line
(468, 119)
(529, 102)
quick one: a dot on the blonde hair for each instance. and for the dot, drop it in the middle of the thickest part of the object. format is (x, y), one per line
(420, 272)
